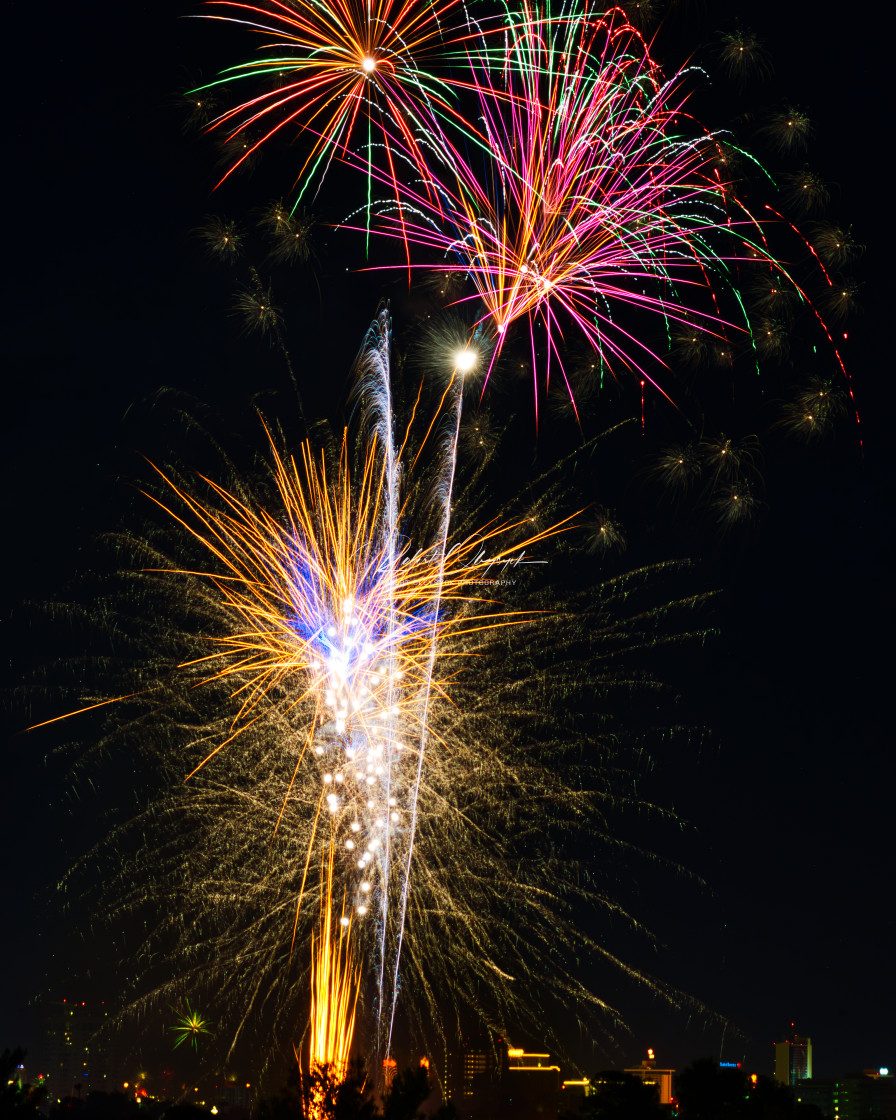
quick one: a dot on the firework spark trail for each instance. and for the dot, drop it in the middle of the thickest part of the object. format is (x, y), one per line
(375, 394)
(444, 490)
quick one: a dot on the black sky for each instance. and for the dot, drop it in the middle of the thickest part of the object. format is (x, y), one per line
(109, 299)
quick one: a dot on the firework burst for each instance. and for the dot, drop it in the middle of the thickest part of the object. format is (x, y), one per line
(593, 197)
(743, 55)
(334, 71)
(339, 689)
(190, 1025)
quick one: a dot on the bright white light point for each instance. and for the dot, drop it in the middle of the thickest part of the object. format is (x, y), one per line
(395, 817)
(369, 804)
(362, 910)
(392, 801)
(331, 631)
(348, 606)
(361, 864)
(355, 826)
(365, 887)
(500, 328)
(340, 727)
(327, 779)
(350, 844)
(464, 360)
(318, 751)
(343, 921)
(370, 779)
(339, 779)
(368, 64)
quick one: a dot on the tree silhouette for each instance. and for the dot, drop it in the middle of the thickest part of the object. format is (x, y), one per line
(17, 1101)
(621, 1096)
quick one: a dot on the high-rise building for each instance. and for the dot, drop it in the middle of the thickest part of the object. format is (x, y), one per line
(78, 1051)
(793, 1059)
(472, 1071)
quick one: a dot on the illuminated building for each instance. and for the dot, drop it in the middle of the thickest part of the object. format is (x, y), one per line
(475, 1064)
(472, 1072)
(578, 1087)
(650, 1075)
(793, 1059)
(869, 1095)
(77, 1052)
(531, 1085)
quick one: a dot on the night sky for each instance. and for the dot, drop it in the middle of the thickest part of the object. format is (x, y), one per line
(109, 298)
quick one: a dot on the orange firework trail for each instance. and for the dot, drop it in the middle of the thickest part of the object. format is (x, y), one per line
(335, 986)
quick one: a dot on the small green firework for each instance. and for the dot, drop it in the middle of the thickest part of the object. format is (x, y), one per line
(190, 1025)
